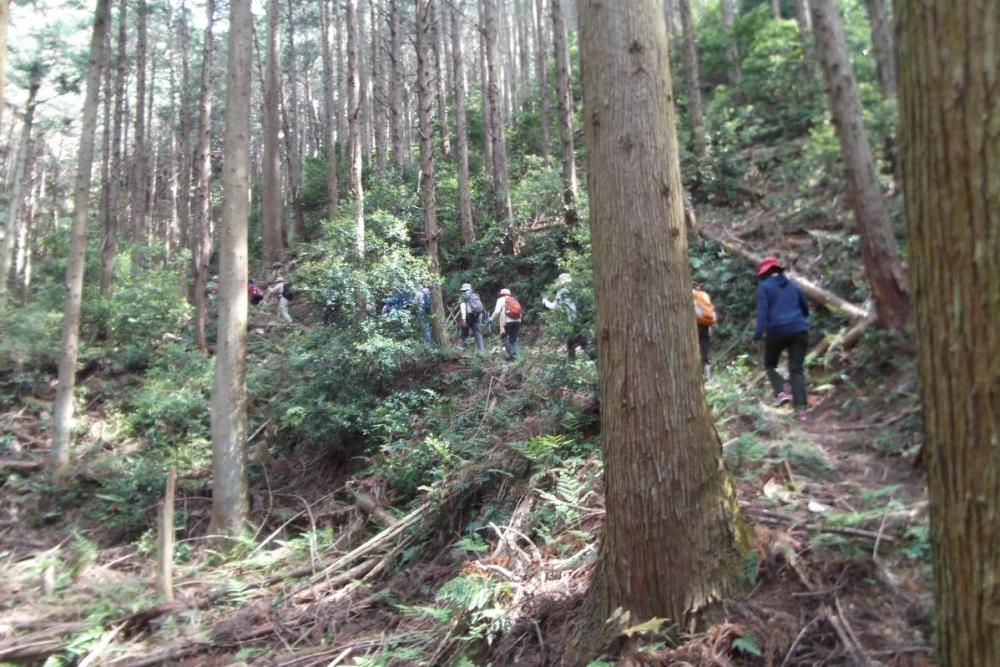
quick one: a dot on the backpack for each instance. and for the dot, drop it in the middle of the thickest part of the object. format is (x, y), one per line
(704, 311)
(286, 291)
(255, 294)
(475, 304)
(513, 308)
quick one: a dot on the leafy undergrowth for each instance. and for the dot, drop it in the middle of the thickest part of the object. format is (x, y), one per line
(466, 531)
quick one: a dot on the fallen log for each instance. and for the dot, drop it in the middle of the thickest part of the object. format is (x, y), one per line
(38, 645)
(809, 288)
(372, 510)
(845, 340)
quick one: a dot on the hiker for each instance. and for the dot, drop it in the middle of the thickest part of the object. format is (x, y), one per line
(704, 315)
(471, 309)
(783, 323)
(423, 302)
(564, 301)
(254, 293)
(283, 291)
(508, 309)
(398, 301)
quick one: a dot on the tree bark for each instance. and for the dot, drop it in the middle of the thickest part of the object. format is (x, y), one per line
(484, 92)
(379, 125)
(396, 112)
(184, 135)
(293, 134)
(541, 75)
(805, 37)
(674, 542)
(354, 130)
(16, 192)
(329, 114)
(441, 95)
(695, 109)
(949, 104)
(62, 407)
(273, 247)
(119, 183)
(364, 82)
(564, 95)
(230, 496)
(885, 56)
(461, 133)
(137, 181)
(108, 181)
(341, 87)
(522, 11)
(425, 98)
(201, 240)
(4, 17)
(776, 9)
(501, 195)
(879, 249)
(729, 34)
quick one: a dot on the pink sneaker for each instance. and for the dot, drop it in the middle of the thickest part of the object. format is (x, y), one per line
(801, 416)
(782, 399)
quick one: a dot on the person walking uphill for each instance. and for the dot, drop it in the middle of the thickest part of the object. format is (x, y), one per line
(564, 301)
(472, 309)
(508, 309)
(283, 291)
(783, 323)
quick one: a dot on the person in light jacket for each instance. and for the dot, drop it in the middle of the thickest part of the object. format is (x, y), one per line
(508, 311)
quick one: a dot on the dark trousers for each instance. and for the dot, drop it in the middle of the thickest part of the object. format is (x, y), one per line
(797, 344)
(472, 324)
(704, 342)
(580, 340)
(510, 331)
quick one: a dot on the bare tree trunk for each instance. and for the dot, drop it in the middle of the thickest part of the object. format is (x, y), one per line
(273, 249)
(341, 87)
(62, 407)
(293, 134)
(137, 182)
(364, 83)
(522, 12)
(425, 99)
(118, 179)
(4, 17)
(396, 111)
(379, 125)
(805, 36)
(541, 74)
(676, 549)
(108, 182)
(329, 115)
(949, 104)
(776, 9)
(484, 92)
(879, 249)
(230, 496)
(184, 137)
(885, 56)
(22, 259)
(354, 130)
(461, 134)
(201, 240)
(439, 70)
(501, 195)
(15, 194)
(693, 79)
(732, 48)
(564, 94)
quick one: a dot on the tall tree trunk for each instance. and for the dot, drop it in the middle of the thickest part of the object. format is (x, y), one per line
(293, 133)
(732, 48)
(230, 496)
(441, 95)
(776, 9)
(184, 136)
(329, 115)
(354, 130)
(805, 36)
(396, 112)
(541, 75)
(674, 543)
(201, 240)
(137, 181)
(379, 125)
(885, 56)
(522, 12)
(4, 17)
(461, 134)
(62, 407)
(15, 194)
(949, 104)
(270, 198)
(484, 92)
(364, 85)
(108, 181)
(695, 110)
(425, 99)
(337, 16)
(119, 180)
(564, 94)
(501, 195)
(879, 249)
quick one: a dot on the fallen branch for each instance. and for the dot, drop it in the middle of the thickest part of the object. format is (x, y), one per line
(318, 590)
(845, 340)
(371, 509)
(22, 466)
(38, 645)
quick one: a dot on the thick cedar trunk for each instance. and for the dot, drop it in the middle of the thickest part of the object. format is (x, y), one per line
(949, 108)
(501, 195)
(564, 95)
(541, 75)
(201, 239)
(674, 542)
(329, 115)
(137, 181)
(354, 130)
(732, 49)
(396, 112)
(805, 36)
(16, 192)
(695, 110)
(441, 95)
(270, 192)
(461, 133)
(293, 134)
(230, 497)
(425, 47)
(885, 57)
(879, 249)
(484, 92)
(62, 408)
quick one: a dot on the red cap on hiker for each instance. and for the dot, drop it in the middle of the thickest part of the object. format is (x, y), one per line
(767, 264)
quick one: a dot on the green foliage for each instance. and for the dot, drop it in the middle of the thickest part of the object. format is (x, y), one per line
(29, 347)
(747, 644)
(482, 599)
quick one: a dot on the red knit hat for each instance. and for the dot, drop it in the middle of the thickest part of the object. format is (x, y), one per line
(767, 264)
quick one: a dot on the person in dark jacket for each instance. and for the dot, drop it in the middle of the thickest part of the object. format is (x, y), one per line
(783, 323)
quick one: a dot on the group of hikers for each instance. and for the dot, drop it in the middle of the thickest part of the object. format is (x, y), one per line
(279, 289)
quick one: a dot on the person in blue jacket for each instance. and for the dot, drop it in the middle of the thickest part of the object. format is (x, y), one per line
(783, 323)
